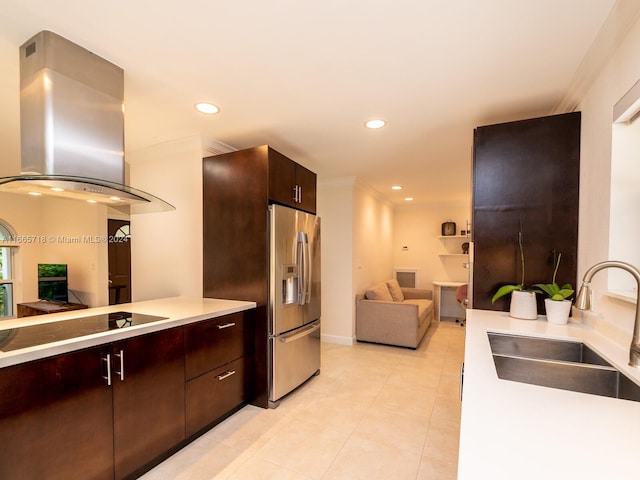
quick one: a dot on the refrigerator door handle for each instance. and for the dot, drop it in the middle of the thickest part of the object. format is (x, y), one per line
(307, 269)
(302, 258)
(298, 335)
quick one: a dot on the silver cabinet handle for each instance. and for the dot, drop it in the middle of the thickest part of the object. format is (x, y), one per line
(121, 372)
(107, 359)
(295, 194)
(461, 379)
(226, 325)
(226, 374)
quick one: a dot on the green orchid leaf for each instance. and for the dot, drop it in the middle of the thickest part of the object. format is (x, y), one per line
(566, 292)
(547, 288)
(505, 290)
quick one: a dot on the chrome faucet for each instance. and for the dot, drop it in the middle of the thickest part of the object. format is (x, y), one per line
(583, 301)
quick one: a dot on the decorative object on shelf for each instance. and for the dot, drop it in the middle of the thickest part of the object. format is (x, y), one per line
(557, 305)
(523, 301)
(448, 228)
(465, 248)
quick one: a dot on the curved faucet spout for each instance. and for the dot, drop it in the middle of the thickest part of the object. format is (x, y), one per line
(583, 301)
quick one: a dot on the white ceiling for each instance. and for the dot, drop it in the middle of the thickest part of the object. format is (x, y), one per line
(304, 76)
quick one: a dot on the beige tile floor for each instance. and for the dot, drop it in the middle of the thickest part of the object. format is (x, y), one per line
(374, 412)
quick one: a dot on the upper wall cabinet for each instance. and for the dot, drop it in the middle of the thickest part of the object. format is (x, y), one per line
(526, 177)
(289, 183)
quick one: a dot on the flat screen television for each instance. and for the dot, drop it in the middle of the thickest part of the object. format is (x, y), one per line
(52, 282)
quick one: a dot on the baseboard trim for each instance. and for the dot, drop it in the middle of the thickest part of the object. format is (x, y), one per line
(338, 339)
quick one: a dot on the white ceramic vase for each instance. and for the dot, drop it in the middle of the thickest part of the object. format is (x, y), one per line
(523, 305)
(557, 311)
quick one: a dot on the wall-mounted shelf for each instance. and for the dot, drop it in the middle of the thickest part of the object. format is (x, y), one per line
(453, 254)
(459, 237)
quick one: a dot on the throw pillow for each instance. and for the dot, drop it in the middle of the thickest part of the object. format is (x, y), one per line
(395, 291)
(379, 292)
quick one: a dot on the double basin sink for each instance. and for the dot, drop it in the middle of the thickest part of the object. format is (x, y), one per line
(564, 364)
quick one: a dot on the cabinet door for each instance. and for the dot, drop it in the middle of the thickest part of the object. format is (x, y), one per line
(306, 181)
(212, 343)
(148, 398)
(56, 418)
(282, 179)
(526, 174)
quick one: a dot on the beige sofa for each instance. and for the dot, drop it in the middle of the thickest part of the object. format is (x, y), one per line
(387, 313)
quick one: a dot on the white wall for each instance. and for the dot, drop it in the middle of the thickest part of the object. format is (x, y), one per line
(373, 224)
(166, 247)
(418, 228)
(63, 229)
(357, 237)
(618, 75)
(79, 233)
(335, 208)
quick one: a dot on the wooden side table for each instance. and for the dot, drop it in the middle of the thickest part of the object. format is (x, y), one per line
(42, 308)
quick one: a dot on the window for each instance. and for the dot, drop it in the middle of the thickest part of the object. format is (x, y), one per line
(6, 271)
(625, 196)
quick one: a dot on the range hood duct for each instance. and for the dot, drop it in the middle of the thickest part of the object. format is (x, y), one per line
(72, 127)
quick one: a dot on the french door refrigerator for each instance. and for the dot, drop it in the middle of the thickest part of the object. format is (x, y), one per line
(294, 299)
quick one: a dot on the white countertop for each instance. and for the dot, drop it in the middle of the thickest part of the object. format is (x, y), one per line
(513, 430)
(178, 310)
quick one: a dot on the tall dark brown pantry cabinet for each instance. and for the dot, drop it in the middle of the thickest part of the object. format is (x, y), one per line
(526, 177)
(237, 190)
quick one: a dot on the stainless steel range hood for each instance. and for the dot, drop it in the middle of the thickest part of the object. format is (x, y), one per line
(72, 127)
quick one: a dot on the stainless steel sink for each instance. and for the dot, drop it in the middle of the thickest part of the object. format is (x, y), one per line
(544, 348)
(566, 365)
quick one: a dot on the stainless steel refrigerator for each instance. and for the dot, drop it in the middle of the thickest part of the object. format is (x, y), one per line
(294, 300)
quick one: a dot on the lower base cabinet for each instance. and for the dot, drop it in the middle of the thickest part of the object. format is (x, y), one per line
(212, 395)
(148, 399)
(56, 419)
(115, 410)
(217, 353)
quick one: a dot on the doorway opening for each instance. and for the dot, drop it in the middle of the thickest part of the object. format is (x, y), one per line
(119, 261)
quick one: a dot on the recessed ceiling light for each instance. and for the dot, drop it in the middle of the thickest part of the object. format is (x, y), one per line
(115, 199)
(208, 108)
(57, 189)
(35, 194)
(92, 201)
(375, 124)
(396, 187)
(409, 199)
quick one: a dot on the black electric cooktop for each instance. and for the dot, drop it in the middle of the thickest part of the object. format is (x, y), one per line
(30, 336)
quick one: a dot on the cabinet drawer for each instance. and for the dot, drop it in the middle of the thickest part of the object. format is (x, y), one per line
(212, 343)
(210, 396)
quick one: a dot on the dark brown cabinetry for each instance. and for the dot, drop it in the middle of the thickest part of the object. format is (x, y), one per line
(56, 418)
(290, 183)
(148, 398)
(525, 174)
(215, 369)
(237, 190)
(99, 413)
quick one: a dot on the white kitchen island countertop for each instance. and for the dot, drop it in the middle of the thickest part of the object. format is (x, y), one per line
(177, 310)
(513, 430)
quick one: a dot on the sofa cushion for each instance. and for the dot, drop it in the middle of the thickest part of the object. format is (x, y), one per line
(395, 291)
(424, 307)
(380, 291)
